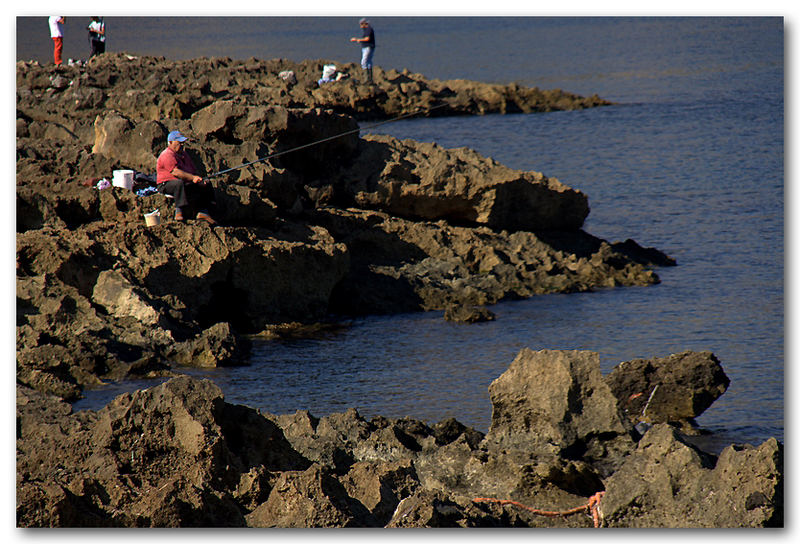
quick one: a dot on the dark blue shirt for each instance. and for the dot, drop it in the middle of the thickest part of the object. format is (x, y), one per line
(368, 33)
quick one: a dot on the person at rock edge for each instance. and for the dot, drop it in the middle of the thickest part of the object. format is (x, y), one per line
(367, 41)
(97, 36)
(57, 34)
(176, 176)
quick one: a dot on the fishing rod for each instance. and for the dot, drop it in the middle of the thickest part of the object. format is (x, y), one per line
(304, 146)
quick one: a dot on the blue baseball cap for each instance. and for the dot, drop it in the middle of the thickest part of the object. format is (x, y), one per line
(176, 136)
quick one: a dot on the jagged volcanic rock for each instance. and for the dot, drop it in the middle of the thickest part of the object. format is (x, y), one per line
(357, 224)
(179, 455)
(674, 389)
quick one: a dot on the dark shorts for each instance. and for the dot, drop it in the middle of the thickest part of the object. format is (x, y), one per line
(195, 195)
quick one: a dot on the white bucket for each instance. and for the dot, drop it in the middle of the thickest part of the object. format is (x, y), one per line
(123, 178)
(153, 218)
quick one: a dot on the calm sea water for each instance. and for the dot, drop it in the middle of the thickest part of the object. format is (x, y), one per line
(690, 161)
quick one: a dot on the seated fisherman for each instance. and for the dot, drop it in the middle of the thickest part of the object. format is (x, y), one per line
(177, 176)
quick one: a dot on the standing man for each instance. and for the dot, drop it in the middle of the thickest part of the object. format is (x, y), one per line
(177, 176)
(97, 36)
(57, 33)
(367, 41)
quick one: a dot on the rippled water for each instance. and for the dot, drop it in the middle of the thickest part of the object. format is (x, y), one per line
(690, 161)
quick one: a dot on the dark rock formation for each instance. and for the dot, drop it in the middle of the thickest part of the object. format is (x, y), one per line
(424, 181)
(155, 89)
(178, 455)
(354, 225)
(556, 403)
(667, 483)
(170, 456)
(409, 265)
(350, 226)
(674, 389)
(467, 314)
(113, 294)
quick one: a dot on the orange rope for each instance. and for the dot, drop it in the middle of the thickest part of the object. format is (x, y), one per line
(591, 506)
(634, 396)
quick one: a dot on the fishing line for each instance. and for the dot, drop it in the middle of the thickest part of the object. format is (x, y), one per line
(304, 146)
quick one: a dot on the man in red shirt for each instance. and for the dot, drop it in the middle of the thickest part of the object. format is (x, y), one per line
(177, 176)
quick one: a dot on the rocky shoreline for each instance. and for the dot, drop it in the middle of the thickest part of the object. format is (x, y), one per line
(359, 224)
(562, 451)
(356, 225)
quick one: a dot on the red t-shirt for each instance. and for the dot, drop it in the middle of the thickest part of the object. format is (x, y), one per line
(168, 160)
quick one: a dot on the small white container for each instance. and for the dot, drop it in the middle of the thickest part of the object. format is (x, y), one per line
(153, 218)
(328, 70)
(123, 178)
